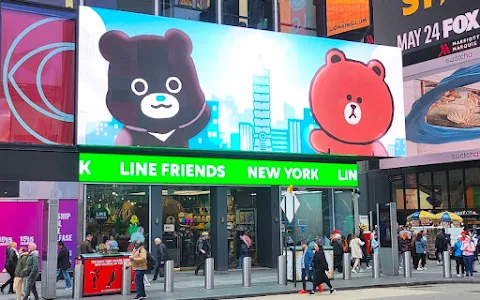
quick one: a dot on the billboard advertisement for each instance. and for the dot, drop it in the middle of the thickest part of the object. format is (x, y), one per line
(24, 219)
(346, 15)
(37, 76)
(212, 171)
(443, 111)
(426, 29)
(159, 82)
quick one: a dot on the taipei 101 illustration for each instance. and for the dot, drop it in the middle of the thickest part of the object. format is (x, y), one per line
(262, 135)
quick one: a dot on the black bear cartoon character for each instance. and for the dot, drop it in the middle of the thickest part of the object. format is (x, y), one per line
(153, 89)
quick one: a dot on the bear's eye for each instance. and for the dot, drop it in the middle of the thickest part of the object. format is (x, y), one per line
(139, 86)
(173, 85)
(349, 97)
(359, 100)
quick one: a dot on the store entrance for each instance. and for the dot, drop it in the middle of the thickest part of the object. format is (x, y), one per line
(186, 215)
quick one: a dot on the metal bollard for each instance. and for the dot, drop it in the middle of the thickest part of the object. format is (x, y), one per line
(209, 269)
(77, 282)
(376, 266)
(247, 272)
(168, 271)
(282, 269)
(447, 265)
(407, 264)
(126, 278)
(347, 270)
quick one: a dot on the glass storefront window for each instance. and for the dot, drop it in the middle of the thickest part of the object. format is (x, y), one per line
(425, 190)
(186, 215)
(343, 205)
(440, 192)
(313, 218)
(139, 6)
(117, 212)
(297, 17)
(455, 178)
(195, 10)
(411, 192)
(472, 181)
(248, 13)
(397, 193)
(241, 219)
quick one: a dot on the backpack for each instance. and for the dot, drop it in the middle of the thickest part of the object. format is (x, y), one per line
(151, 262)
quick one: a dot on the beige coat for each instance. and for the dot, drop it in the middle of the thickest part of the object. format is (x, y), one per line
(356, 248)
(139, 259)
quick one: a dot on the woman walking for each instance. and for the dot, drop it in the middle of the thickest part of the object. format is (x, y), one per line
(468, 249)
(357, 253)
(420, 251)
(320, 267)
(10, 265)
(18, 281)
(458, 254)
(139, 265)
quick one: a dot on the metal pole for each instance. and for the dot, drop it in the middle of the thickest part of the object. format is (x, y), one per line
(447, 266)
(376, 266)
(407, 264)
(347, 270)
(294, 256)
(276, 21)
(78, 282)
(209, 280)
(126, 278)
(168, 270)
(49, 249)
(282, 265)
(247, 272)
(286, 244)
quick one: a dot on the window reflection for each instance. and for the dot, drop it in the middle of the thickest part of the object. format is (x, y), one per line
(455, 178)
(425, 190)
(344, 220)
(411, 192)
(472, 180)
(139, 6)
(440, 193)
(248, 13)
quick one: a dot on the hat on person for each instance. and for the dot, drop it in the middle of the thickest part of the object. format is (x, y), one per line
(336, 231)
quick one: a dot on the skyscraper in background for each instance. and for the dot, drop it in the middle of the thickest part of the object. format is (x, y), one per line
(262, 135)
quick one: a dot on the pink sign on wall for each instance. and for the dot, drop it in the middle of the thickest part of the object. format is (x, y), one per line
(24, 225)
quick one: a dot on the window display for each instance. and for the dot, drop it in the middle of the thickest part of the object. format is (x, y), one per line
(186, 215)
(117, 213)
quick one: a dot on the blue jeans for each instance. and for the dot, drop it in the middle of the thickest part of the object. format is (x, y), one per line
(240, 262)
(66, 276)
(468, 260)
(139, 283)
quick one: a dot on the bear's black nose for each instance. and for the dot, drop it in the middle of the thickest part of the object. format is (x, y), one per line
(353, 106)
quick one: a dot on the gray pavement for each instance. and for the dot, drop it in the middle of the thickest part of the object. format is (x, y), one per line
(428, 292)
(228, 284)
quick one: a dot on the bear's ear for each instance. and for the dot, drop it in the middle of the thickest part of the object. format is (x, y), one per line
(179, 42)
(113, 44)
(377, 67)
(335, 56)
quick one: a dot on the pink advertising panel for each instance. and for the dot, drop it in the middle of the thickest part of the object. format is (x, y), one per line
(24, 224)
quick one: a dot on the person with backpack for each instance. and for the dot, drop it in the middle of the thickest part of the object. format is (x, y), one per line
(203, 251)
(139, 261)
(338, 250)
(63, 263)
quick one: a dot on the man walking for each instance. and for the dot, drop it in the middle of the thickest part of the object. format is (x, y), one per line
(307, 272)
(31, 272)
(161, 253)
(139, 265)
(337, 244)
(441, 244)
(63, 263)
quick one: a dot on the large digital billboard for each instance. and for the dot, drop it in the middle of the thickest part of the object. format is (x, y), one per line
(160, 82)
(37, 64)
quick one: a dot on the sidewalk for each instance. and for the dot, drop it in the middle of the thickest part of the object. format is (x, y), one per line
(228, 284)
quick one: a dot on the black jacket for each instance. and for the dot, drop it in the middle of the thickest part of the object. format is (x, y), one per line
(337, 247)
(11, 261)
(162, 253)
(86, 247)
(441, 243)
(320, 267)
(63, 259)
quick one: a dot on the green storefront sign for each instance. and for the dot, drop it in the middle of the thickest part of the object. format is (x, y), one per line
(118, 168)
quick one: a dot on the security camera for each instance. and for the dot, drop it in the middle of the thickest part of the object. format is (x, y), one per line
(357, 191)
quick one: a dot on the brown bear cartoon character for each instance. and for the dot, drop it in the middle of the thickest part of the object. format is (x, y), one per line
(153, 89)
(353, 106)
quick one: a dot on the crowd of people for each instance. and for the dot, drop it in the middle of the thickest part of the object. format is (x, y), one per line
(23, 267)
